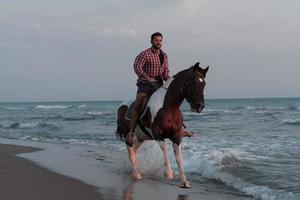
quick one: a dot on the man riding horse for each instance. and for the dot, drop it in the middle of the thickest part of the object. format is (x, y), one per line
(162, 119)
(151, 67)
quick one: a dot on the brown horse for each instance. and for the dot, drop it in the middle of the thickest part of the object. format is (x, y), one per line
(163, 119)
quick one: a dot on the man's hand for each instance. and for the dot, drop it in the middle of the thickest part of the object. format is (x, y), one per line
(148, 78)
(152, 80)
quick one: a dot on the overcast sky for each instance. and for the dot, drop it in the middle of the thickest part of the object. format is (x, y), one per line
(84, 50)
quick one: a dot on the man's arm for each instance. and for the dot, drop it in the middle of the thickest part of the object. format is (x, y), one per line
(138, 65)
(139, 62)
(166, 71)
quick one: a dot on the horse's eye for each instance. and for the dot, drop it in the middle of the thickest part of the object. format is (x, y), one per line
(201, 80)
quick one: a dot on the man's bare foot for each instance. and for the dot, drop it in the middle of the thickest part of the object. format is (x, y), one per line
(129, 139)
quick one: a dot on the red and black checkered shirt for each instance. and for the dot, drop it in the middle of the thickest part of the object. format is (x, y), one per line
(148, 62)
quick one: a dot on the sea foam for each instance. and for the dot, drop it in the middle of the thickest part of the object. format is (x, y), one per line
(211, 166)
(291, 121)
(52, 106)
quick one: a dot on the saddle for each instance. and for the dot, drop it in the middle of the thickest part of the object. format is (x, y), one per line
(144, 120)
(146, 115)
(131, 106)
(154, 103)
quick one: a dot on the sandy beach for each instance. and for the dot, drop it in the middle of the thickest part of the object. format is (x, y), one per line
(23, 179)
(69, 172)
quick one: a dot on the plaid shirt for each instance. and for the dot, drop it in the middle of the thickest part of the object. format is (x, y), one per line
(148, 62)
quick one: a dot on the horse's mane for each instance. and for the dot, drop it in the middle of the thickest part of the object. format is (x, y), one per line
(182, 72)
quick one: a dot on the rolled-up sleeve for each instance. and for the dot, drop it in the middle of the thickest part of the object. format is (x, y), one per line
(139, 63)
(166, 71)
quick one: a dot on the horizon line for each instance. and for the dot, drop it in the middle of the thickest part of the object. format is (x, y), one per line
(209, 98)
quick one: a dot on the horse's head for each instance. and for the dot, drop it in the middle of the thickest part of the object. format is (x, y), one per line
(193, 87)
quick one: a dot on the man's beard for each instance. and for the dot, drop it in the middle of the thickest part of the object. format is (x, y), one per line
(156, 47)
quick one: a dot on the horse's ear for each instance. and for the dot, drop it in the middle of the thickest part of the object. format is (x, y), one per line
(196, 66)
(206, 69)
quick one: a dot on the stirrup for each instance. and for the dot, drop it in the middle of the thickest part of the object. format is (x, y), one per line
(130, 143)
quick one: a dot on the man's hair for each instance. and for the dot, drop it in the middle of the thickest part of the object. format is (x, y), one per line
(156, 34)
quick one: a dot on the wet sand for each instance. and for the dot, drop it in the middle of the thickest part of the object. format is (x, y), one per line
(43, 175)
(23, 179)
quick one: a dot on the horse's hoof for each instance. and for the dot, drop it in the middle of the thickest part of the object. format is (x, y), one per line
(137, 177)
(186, 184)
(169, 174)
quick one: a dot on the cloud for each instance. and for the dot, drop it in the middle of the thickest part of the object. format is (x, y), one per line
(95, 30)
(128, 31)
(84, 39)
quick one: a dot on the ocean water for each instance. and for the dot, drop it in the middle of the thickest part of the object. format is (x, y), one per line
(249, 145)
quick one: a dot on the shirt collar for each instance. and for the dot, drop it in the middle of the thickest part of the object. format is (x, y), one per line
(154, 51)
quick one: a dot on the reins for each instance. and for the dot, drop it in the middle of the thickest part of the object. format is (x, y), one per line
(187, 83)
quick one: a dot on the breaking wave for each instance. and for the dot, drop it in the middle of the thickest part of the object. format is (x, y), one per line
(96, 113)
(29, 125)
(212, 112)
(79, 118)
(16, 108)
(240, 109)
(291, 121)
(52, 106)
(214, 164)
(290, 108)
(82, 106)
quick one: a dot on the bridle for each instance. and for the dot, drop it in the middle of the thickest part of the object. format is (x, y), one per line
(190, 83)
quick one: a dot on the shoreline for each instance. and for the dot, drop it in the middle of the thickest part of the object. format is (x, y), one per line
(92, 166)
(23, 179)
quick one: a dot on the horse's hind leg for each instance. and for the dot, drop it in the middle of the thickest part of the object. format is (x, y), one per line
(132, 153)
(169, 174)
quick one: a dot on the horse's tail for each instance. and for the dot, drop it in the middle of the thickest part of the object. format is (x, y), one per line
(122, 125)
(119, 135)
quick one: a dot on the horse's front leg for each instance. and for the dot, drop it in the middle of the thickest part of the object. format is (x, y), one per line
(169, 174)
(132, 153)
(179, 160)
